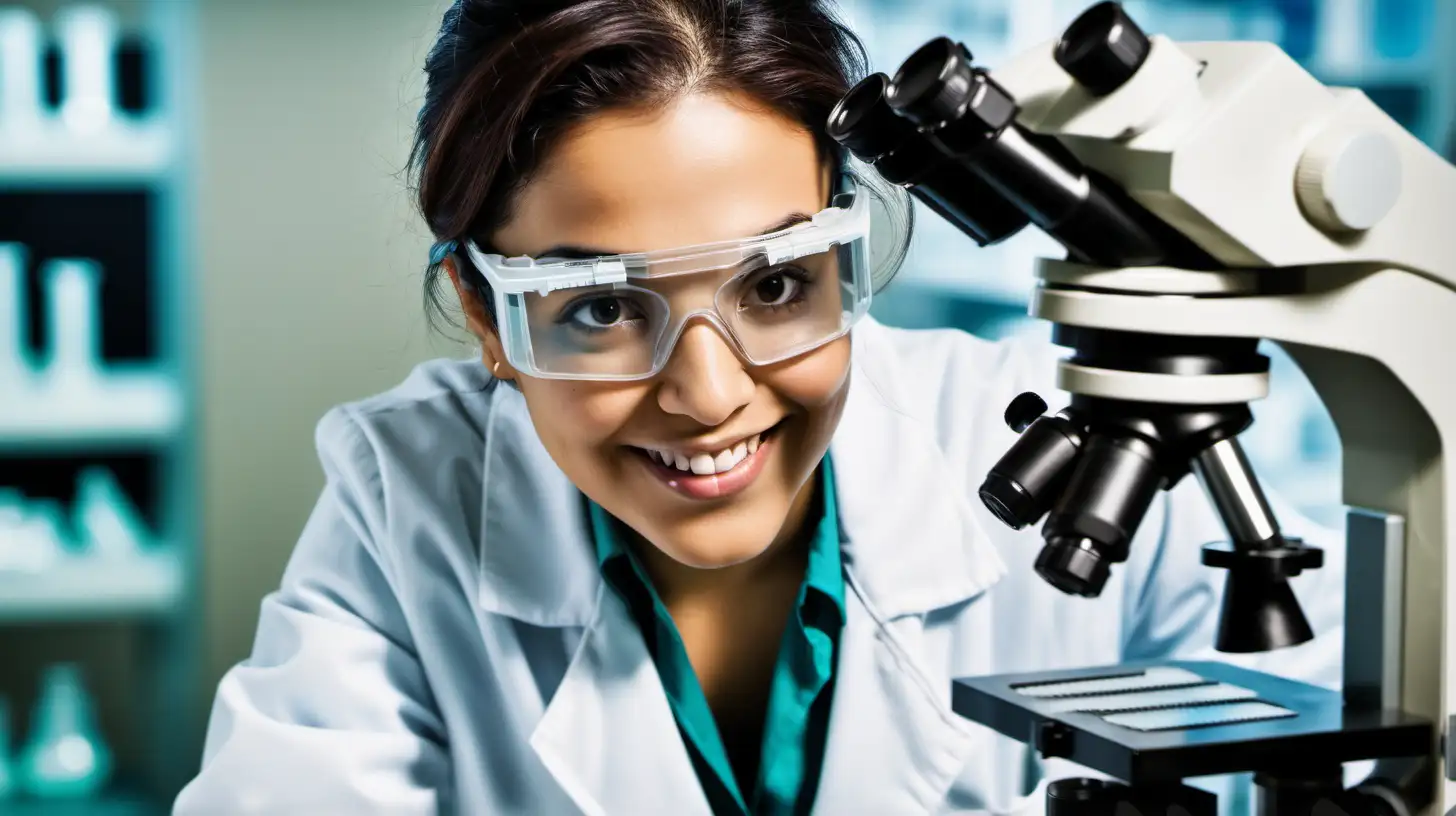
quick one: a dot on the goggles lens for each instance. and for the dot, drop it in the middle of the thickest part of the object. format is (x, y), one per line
(769, 311)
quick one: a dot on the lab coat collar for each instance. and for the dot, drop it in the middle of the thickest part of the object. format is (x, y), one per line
(909, 534)
(894, 745)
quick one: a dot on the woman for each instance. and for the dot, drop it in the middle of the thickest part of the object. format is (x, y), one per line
(693, 535)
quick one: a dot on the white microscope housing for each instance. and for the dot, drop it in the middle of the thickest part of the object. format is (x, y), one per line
(1337, 231)
(1211, 196)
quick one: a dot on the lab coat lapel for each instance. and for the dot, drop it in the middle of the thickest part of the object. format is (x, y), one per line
(912, 546)
(608, 736)
(894, 744)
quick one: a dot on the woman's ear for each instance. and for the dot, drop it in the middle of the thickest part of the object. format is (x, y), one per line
(480, 325)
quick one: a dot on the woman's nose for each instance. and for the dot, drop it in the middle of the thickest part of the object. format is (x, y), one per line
(704, 378)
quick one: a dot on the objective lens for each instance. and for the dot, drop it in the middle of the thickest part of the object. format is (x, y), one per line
(1090, 528)
(1026, 481)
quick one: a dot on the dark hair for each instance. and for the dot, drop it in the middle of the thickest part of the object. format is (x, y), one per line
(506, 78)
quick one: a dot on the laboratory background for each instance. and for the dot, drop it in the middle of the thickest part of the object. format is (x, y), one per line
(206, 240)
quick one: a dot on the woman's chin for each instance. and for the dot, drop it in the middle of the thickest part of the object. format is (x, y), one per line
(699, 557)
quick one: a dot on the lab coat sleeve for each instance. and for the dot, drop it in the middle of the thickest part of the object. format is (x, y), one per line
(332, 712)
(1172, 600)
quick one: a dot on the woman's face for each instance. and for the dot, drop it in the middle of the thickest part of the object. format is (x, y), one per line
(708, 168)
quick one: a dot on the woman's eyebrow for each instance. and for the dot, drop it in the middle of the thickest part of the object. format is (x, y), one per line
(572, 252)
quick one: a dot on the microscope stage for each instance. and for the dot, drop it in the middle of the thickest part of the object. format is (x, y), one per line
(1150, 723)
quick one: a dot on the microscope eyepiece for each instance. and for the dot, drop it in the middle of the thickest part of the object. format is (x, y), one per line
(964, 114)
(866, 125)
(940, 89)
(933, 84)
(1102, 48)
(864, 122)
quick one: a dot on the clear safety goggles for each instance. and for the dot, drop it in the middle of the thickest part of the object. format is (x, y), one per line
(618, 317)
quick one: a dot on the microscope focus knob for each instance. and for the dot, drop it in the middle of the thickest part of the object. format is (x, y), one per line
(1348, 179)
(1024, 410)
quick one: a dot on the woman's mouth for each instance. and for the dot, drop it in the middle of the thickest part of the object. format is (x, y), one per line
(702, 475)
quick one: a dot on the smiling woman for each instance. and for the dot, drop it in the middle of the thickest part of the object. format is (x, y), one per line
(694, 534)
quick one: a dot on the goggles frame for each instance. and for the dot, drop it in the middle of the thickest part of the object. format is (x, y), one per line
(846, 219)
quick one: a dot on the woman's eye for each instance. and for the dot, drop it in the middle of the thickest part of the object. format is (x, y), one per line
(776, 289)
(600, 313)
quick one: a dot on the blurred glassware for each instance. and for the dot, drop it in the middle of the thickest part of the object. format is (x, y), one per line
(107, 524)
(65, 757)
(31, 537)
(74, 395)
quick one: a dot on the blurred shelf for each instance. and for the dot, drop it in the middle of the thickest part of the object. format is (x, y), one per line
(114, 408)
(52, 152)
(109, 805)
(88, 588)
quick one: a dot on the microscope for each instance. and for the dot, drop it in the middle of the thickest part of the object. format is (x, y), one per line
(1210, 196)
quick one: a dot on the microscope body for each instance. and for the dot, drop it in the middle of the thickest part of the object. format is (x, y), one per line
(1334, 234)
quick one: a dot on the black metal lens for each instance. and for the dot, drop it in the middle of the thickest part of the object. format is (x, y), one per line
(1026, 481)
(934, 84)
(1084, 797)
(1089, 530)
(1103, 48)
(864, 122)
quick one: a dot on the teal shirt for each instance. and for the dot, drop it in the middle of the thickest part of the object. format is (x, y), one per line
(798, 708)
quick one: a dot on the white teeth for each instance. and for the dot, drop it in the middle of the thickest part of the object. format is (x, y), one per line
(705, 464)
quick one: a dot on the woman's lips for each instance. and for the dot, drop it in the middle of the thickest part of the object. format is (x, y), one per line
(713, 486)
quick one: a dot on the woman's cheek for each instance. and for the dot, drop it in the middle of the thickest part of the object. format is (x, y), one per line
(818, 381)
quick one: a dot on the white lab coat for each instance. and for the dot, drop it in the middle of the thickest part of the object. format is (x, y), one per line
(442, 640)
